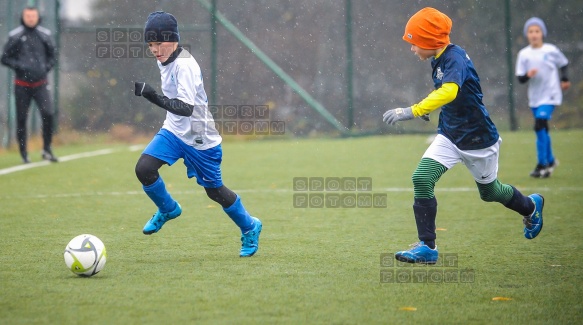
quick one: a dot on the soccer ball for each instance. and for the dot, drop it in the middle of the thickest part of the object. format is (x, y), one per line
(85, 255)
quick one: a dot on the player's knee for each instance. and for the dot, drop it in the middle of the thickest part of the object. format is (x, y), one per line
(222, 195)
(141, 171)
(45, 115)
(422, 180)
(487, 196)
(212, 193)
(540, 124)
(145, 174)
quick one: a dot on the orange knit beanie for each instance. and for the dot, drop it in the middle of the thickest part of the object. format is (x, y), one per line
(428, 29)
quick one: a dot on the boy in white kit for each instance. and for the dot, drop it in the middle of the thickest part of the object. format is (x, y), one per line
(188, 133)
(544, 67)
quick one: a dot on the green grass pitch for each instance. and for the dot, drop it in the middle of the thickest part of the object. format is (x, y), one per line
(314, 265)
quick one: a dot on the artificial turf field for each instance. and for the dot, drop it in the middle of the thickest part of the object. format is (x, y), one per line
(314, 265)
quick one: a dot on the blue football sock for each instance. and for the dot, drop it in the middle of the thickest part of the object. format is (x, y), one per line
(550, 156)
(239, 215)
(542, 146)
(158, 193)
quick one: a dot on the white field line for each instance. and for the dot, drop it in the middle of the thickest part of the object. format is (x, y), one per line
(274, 191)
(101, 152)
(285, 191)
(136, 147)
(86, 154)
(18, 168)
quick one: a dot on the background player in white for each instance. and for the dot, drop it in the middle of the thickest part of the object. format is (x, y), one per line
(544, 67)
(188, 133)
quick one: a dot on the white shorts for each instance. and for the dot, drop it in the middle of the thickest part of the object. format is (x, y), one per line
(482, 163)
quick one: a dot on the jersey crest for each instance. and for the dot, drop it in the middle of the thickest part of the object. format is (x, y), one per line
(439, 73)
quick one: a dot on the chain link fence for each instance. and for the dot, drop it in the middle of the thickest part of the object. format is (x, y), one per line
(308, 41)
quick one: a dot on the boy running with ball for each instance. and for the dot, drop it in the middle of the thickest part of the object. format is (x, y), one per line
(466, 135)
(188, 133)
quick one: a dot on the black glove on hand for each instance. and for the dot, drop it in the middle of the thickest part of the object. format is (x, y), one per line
(143, 89)
(174, 106)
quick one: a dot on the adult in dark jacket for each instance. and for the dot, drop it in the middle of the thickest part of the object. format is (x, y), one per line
(30, 52)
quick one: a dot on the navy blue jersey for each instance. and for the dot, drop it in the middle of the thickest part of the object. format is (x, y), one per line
(464, 121)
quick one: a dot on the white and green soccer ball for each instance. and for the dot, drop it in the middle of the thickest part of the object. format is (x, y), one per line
(85, 255)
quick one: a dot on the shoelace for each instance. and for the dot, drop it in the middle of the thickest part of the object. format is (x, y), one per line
(248, 239)
(415, 245)
(527, 221)
(157, 221)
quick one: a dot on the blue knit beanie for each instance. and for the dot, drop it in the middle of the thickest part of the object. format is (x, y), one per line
(161, 27)
(535, 21)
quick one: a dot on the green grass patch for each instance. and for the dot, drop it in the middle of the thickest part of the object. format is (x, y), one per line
(313, 265)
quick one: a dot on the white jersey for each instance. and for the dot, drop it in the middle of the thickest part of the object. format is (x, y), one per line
(182, 79)
(544, 88)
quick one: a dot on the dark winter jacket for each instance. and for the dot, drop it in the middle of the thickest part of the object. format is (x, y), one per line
(30, 52)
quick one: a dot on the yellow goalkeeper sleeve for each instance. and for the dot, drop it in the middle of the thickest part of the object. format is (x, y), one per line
(437, 98)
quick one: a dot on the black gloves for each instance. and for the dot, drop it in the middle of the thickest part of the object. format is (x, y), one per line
(143, 89)
(174, 106)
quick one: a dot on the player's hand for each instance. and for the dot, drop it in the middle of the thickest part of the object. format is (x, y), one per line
(565, 85)
(143, 89)
(425, 117)
(531, 73)
(393, 116)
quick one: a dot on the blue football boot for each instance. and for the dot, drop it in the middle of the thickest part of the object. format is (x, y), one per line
(533, 223)
(419, 253)
(159, 219)
(250, 239)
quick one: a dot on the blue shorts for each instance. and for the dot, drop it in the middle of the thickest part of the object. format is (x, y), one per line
(543, 112)
(205, 165)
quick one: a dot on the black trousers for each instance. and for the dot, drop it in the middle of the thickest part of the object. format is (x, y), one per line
(42, 98)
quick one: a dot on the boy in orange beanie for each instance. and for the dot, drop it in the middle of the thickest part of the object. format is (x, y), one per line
(466, 134)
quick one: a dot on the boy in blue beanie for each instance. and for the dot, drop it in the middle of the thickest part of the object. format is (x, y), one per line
(188, 132)
(544, 67)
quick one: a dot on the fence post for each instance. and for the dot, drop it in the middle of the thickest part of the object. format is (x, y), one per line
(511, 108)
(34, 127)
(313, 103)
(349, 84)
(56, 67)
(7, 139)
(214, 58)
